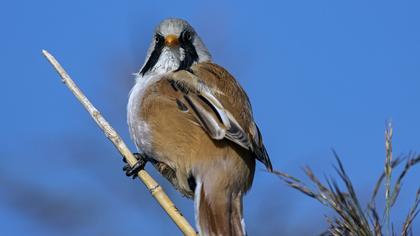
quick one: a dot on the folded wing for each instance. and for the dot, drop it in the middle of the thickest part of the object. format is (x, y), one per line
(220, 106)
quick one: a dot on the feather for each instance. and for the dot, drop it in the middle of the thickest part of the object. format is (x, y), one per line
(218, 212)
(219, 122)
(206, 119)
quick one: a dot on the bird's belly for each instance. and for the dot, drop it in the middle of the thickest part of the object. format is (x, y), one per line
(182, 144)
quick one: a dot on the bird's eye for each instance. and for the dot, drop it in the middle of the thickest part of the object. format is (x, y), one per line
(159, 38)
(186, 36)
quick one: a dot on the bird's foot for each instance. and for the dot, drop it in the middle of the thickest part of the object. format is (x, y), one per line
(141, 162)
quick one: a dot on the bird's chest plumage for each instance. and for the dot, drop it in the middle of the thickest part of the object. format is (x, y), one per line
(138, 126)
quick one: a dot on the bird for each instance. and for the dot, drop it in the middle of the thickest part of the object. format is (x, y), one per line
(192, 120)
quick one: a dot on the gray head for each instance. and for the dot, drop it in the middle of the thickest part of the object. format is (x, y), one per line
(175, 46)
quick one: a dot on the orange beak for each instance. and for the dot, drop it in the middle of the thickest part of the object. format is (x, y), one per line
(171, 41)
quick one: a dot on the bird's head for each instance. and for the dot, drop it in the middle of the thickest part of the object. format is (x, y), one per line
(175, 46)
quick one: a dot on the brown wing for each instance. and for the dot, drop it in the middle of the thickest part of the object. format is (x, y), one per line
(216, 101)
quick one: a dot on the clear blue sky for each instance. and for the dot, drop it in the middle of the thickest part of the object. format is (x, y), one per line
(320, 75)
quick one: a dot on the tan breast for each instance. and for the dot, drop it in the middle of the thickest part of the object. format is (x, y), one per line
(177, 136)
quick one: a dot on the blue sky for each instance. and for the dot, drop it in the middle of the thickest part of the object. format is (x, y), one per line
(320, 75)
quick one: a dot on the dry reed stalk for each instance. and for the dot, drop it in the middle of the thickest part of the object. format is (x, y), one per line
(414, 211)
(388, 174)
(352, 219)
(155, 189)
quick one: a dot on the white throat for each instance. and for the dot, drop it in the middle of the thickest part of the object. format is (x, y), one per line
(168, 61)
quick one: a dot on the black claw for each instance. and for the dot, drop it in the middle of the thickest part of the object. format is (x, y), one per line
(132, 171)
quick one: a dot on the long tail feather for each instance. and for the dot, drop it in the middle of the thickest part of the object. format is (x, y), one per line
(218, 212)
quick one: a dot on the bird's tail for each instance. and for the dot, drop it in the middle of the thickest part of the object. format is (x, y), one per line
(218, 212)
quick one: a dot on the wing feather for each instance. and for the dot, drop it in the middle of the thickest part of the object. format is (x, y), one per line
(207, 120)
(214, 117)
